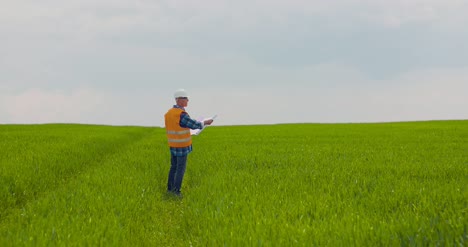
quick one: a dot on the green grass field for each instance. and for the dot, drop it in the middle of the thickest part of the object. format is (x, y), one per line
(386, 184)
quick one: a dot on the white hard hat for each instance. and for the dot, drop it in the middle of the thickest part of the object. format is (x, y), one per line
(180, 93)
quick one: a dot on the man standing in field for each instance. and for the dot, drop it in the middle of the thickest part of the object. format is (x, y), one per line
(178, 124)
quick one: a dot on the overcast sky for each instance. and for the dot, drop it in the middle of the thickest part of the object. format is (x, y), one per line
(118, 62)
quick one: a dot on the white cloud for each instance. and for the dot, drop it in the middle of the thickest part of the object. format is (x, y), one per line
(41, 106)
(295, 60)
(420, 95)
(400, 12)
(86, 105)
(84, 19)
(325, 97)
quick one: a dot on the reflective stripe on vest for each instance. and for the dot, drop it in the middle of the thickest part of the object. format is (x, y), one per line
(179, 140)
(172, 132)
(176, 135)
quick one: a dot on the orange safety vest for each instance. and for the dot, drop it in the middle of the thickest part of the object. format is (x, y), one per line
(177, 136)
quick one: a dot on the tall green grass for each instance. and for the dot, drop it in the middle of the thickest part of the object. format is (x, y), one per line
(386, 184)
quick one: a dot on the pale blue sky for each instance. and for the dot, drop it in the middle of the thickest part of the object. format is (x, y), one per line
(251, 62)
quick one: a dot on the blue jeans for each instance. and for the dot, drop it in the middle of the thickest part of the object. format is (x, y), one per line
(176, 173)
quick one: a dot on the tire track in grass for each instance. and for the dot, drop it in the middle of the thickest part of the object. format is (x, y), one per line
(152, 217)
(32, 175)
(120, 202)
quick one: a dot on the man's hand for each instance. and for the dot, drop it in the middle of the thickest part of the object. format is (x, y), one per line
(208, 122)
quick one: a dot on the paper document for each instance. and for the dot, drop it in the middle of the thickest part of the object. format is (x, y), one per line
(198, 131)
